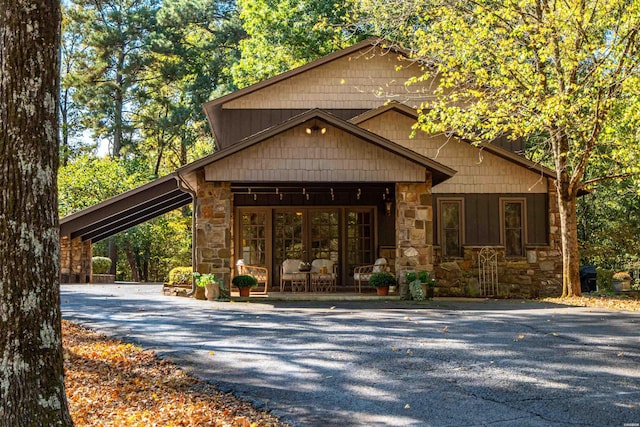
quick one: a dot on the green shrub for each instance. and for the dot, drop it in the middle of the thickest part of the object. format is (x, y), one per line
(100, 264)
(202, 280)
(245, 281)
(604, 279)
(180, 276)
(382, 279)
(415, 289)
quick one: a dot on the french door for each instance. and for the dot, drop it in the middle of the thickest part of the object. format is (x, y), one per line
(306, 234)
(345, 235)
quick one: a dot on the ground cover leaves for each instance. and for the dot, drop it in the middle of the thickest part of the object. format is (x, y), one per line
(111, 383)
(609, 302)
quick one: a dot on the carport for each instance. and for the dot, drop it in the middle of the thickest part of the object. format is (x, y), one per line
(80, 230)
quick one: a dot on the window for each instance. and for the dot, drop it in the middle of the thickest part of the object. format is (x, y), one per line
(450, 232)
(513, 221)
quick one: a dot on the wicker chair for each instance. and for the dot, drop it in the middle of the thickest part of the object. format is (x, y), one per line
(363, 273)
(260, 273)
(290, 272)
(323, 275)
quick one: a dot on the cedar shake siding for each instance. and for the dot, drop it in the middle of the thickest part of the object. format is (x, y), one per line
(479, 171)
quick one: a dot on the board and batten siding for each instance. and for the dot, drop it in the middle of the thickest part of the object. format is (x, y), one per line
(235, 125)
(294, 156)
(479, 171)
(482, 218)
(364, 80)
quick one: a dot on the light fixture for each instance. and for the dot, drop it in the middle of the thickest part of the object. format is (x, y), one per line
(387, 207)
(315, 129)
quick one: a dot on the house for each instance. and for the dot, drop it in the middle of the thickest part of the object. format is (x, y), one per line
(319, 162)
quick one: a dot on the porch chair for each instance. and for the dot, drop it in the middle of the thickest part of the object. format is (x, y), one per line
(260, 273)
(323, 275)
(363, 273)
(290, 272)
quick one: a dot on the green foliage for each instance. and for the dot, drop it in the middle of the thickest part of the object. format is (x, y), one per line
(284, 34)
(244, 281)
(421, 276)
(100, 265)
(415, 289)
(604, 279)
(203, 280)
(180, 276)
(88, 180)
(609, 225)
(563, 76)
(381, 279)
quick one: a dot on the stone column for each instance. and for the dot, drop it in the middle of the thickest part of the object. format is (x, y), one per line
(214, 225)
(414, 227)
(87, 261)
(75, 260)
(65, 259)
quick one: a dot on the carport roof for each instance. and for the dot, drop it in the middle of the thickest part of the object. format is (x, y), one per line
(126, 210)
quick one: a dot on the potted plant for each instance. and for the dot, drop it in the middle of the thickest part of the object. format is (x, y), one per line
(621, 281)
(208, 282)
(381, 281)
(244, 282)
(415, 286)
(428, 284)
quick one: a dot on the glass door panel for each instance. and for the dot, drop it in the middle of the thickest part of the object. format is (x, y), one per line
(324, 239)
(360, 242)
(288, 238)
(253, 237)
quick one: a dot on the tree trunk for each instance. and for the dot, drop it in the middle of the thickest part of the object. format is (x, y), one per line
(113, 255)
(567, 203)
(31, 371)
(132, 263)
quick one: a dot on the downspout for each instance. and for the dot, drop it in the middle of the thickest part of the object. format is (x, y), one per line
(184, 186)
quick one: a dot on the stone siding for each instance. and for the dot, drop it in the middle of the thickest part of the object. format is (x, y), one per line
(414, 227)
(214, 222)
(75, 260)
(538, 274)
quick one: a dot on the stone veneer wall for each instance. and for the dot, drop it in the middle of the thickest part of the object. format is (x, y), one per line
(414, 227)
(214, 222)
(538, 274)
(75, 260)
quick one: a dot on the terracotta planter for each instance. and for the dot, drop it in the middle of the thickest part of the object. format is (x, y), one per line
(382, 291)
(245, 291)
(211, 291)
(199, 293)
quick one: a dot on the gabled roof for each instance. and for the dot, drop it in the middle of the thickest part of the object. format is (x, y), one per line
(210, 108)
(121, 212)
(369, 43)
(498, 151)
(438, 171)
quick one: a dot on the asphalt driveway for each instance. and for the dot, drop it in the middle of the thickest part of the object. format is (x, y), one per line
(444, 363)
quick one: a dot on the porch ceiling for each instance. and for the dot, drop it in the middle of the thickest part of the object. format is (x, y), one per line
(126, 210)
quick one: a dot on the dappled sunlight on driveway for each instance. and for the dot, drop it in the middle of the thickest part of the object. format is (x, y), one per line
(389, 364)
